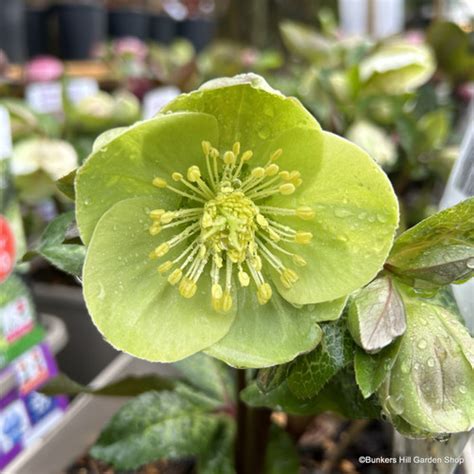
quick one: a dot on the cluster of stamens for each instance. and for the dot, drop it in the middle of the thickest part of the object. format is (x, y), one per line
(225, 226)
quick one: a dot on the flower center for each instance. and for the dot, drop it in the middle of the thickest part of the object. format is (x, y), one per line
(230, 229)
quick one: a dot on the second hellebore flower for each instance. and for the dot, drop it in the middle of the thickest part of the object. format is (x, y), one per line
(229, 223)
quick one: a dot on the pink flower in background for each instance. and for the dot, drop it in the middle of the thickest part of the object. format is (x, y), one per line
(43, 69)
(415, 37)
(131, 46)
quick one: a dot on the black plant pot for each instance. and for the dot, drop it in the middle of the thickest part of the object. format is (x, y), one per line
(37, 31)
(81, 29)
(127, 22)
(12, 29)
(199, 31)
(163, 29)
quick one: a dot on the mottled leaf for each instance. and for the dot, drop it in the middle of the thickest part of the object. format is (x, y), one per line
(129, 386)
(218, 458)
(437, 251)
(66, 257)
(281, 456)
(376, 315)
(310, 372)
(341, 395)
(272, 377)
(154, 426)
(208, 375)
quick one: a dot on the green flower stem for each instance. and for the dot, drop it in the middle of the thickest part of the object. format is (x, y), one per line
(253, 426)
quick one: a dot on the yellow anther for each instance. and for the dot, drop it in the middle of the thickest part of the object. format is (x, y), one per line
(295, 174)
(164, 267)
(257, 263)
(272, 170)
(297, 182)
(261, 221)
(206, 147)
(288, 277)
(177, 176)
(160, 183)
(162, 249)
(273, 235)
(157, 213)
(264, 293)
(202, 251)
(229, 158)
(236, 148)
(226, 302)
(287, 189)
(187, 287)
(305, 213)
(216, 291)
(214, 153)
(155, 229)
(244, 278)
(207, 220)
(216, 304)
(302, 237)
(247, 155)
(258, 172)
(194, 173)
(167, 217)
(218, 261)
(298, 260)
(285, 175)
(276, 154)
(175, 276)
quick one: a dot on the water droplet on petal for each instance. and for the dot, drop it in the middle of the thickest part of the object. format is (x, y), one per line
(431, 362)
(470, 263)
(342, 212)
(462, 389)
(422, 344)
(405, 368)
(382, 218)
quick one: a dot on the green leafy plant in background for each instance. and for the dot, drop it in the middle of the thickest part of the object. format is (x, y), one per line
(385, 97)
(232, 227)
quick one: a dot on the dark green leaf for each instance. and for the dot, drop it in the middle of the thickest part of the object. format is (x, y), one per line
(66, 185)
(372, 369)
(208, 375)
(127, 387)
(281, 456)
(376, 315)
(437, 251)
(154, 426)
(341, 395)
(66, 257)
(271, 377)
(310, 372)
(218, 458)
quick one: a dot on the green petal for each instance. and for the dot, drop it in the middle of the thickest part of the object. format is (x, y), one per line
(356, 215)
(126, 165)
(246, 109)
(131, 304)
(273, 333)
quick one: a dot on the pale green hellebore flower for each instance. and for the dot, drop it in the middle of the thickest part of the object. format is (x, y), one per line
(229, 223)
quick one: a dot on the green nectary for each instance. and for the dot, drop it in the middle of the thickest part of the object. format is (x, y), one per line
(264, 222)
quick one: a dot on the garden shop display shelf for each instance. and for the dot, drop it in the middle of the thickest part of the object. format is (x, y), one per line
(94, 69)
(83, 421)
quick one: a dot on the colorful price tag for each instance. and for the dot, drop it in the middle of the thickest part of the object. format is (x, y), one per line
(7, 249)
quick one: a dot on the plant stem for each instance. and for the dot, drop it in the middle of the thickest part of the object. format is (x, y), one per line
(252, 434)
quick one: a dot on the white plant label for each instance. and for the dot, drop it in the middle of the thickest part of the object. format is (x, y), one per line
(157, 98)
(5, 134)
